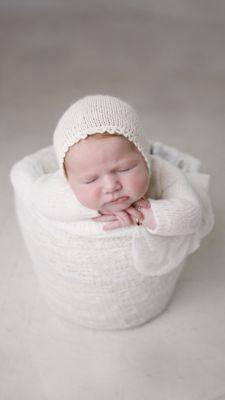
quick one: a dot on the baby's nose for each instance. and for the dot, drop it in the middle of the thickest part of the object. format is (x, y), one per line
(111, 183)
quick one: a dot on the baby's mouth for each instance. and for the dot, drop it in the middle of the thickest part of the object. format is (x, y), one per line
(118, 200)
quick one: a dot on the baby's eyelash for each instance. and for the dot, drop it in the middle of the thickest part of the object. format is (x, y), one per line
(126, 169)
(92, 180)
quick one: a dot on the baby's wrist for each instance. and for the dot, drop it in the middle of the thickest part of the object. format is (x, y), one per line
(149, 219)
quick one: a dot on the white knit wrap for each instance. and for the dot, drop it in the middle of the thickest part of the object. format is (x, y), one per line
(95, 278)
(98, 114)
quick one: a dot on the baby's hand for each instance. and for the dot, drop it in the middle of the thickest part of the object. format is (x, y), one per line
(130, 216)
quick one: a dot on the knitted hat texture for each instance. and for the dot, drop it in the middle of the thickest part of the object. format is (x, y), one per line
(98, 114)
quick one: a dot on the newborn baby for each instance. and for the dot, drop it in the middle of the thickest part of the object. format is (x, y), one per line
(105, 165)
(108, 173)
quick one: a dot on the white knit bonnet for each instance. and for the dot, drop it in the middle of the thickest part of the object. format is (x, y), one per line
(98, 114)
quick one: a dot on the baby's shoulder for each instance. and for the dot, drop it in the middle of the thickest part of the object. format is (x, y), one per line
(161, 168)
(158, 162)
(163, 175)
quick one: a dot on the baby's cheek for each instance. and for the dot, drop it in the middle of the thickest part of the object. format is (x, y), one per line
(79, 192)
(140, 184)
(89, 197)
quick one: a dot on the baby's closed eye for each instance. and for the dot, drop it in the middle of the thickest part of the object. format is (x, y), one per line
(91, 180)
(125, 169)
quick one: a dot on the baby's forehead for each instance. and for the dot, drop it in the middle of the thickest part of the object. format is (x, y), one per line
(98, 140)
(100, 148)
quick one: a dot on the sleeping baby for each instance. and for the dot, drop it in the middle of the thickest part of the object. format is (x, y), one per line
(104, 156)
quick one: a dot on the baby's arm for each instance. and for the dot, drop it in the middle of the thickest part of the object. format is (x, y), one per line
(178, 210)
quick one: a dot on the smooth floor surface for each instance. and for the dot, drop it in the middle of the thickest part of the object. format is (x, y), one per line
(169, 63)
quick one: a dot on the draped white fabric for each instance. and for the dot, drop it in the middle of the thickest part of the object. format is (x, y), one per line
(105, 280)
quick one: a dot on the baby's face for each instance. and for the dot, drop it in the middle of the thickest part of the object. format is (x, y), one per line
(107, 174)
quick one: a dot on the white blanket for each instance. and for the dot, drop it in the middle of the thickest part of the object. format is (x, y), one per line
(108, 280)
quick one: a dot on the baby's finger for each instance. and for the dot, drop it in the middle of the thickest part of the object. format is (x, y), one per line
(122, 222)
(135, 213)
(105, 218)
(112, 225)
(124, 218)
(142, 203)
